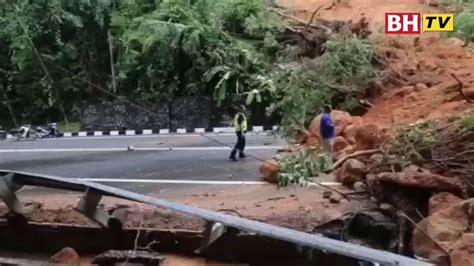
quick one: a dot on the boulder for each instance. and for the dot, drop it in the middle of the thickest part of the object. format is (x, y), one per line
(341, 120)
(350, 130)
(445, 227)
(349, 134)
(369, 136)
(269, 169)
(351, 171)
(335, 198)
(420, 87)
(66, 256)
(420, 180)
(463, 251)
(313, 141)
(340, 144)
(441, 201)
(469, 92)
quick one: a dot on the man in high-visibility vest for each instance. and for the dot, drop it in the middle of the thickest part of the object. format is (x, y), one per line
(240, 124)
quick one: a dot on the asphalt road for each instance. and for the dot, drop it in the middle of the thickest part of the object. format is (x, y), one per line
(168, 157)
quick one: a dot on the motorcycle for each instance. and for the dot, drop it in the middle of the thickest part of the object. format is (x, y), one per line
(50, 131)
(25, 132)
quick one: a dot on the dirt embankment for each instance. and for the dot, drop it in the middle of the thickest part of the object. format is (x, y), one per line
(423, 63)
(432, 207)
(297, 208)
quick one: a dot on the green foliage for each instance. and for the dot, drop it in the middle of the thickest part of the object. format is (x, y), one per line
(464, 24)
(161, 48)
(247, 17)
(338, 77)
(468, 122)
(413, 144)
(184, 47)
(301, 167)
(347, 64)
(302, 95)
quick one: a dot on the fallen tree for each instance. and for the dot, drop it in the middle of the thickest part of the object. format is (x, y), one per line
(447, 150)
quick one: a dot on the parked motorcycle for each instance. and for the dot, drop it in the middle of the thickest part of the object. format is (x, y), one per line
(50, 131)
(25, 132)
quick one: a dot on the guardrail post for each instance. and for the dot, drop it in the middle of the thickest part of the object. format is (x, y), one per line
(88, 206)
(212, 232)
(117, 219)
(7, 194)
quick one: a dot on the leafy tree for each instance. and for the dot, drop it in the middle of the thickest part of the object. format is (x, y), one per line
(60, 57)
(338, 77)
(464, 25)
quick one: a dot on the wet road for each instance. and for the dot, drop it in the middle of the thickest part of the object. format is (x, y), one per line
(158, 157)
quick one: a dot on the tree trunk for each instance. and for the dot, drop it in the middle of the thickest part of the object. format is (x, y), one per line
(112, 70)
(9, 106)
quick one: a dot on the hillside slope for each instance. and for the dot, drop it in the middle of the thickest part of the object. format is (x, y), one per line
(423, 63)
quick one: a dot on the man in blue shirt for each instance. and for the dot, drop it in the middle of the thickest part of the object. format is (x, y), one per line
(327, 131)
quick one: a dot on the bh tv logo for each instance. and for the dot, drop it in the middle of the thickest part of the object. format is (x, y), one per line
(416, 23)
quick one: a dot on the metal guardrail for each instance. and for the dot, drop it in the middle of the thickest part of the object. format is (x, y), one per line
(216, 222)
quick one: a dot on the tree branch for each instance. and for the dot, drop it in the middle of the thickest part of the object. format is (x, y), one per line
(460, 88)
(299, 21)
(315, 12)
(353, 155)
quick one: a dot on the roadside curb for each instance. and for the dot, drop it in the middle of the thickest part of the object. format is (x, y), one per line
(165, 131)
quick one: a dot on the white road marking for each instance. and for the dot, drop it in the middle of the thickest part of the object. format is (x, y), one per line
(195, 182)
(169, 181)
(214, 148)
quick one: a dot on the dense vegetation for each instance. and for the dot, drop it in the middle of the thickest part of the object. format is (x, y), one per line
(464, 24)
(58, 54)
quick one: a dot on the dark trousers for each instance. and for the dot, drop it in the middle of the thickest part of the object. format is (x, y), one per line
(239, 146)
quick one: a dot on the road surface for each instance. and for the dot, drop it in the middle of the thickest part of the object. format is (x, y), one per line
(189, 157)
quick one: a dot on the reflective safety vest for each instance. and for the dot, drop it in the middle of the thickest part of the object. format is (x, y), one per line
(242, 126)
